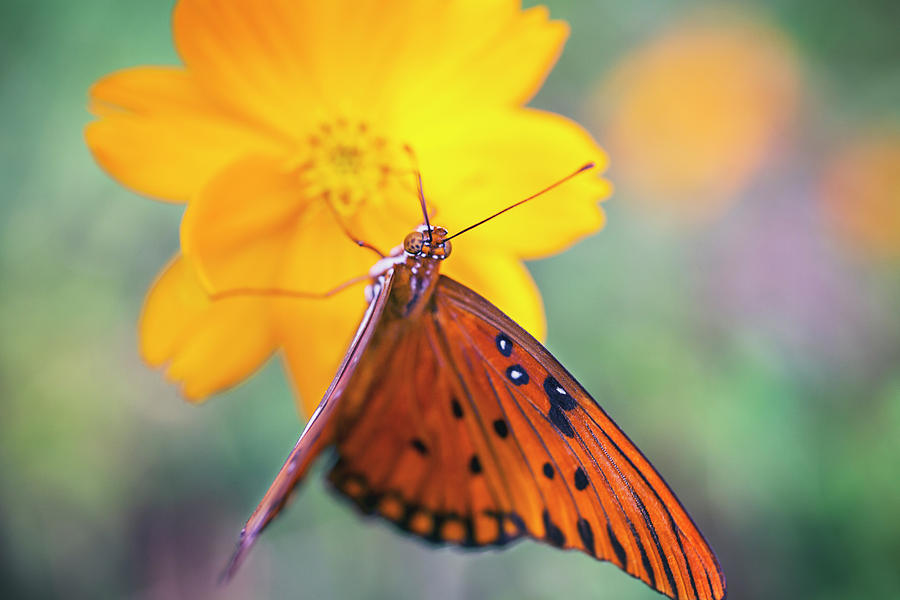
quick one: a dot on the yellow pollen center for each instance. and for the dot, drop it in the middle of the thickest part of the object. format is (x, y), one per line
(349, 166)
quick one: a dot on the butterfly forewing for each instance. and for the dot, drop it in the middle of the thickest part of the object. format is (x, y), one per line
(317, 435)
(473, 434)
(625, 511)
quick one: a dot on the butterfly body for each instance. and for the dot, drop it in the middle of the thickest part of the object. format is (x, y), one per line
(453, 423)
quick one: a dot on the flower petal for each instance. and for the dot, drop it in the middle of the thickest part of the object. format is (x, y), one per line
(239, 226)
(476, 54)
(251, 55)
(208, 346)
(251, 227)
(315, 335)
(266, 58)
(500, 158)
(504, 281)
(159, 135)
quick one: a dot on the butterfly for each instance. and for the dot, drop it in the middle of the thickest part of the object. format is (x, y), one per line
(457, 426)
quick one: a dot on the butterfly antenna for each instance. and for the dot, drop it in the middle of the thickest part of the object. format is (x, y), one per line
(581, 169)
(421, 191)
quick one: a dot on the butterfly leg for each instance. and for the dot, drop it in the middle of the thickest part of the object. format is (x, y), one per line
(353, 238)
(281, 293)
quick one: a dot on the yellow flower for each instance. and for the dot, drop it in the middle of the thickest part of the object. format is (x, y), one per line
(860, 191)
(288, 125)
(693, 115)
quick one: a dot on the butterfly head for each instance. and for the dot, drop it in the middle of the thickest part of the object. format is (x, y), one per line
(427, 242)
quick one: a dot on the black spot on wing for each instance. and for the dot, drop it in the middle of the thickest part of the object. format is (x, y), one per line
(617, 547)
(587, 535)
(517, 522)
(504, 536)
(517, 374)
(581, 480)
(504, 344)
(409, 513)
(557, 394)
(501, 428)
(469, 526)
(437, 523)
(419, 445)
(548, 470)
(475, 465)
(554, 534)
(369, 501)
(457, 408)
(561, 421)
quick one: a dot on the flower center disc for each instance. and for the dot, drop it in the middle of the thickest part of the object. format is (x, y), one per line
(351, 167)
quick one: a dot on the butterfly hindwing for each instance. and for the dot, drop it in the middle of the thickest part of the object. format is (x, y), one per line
(473, 434)
(411, 457)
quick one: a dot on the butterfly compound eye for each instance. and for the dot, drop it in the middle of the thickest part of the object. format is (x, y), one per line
(414, 242)
(427, 243)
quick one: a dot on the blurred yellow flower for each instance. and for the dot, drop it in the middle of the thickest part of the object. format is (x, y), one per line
(860, 190)
(288, 125)
(692, 116)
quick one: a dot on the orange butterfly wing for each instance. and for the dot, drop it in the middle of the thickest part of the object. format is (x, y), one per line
(473, 434)
(316, 436)
(455, 424)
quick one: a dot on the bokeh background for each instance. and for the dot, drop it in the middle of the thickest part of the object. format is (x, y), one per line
(738, 316)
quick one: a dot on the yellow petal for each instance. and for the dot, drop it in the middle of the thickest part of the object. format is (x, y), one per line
(493, 159)
(251, 227)
(321, 256)
(159, 135)
(238, 228)
(315, 335)
(283, 63)
(503, 281)
(252, 56)
(462, 56)
(208, 346)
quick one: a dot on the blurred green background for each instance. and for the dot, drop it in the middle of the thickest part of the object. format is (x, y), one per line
(740, 331)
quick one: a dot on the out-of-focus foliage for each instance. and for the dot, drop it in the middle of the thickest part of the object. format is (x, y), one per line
(753, 356)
